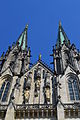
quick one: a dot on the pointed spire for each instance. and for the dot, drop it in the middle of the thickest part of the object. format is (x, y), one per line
(61, 36)
(22, 41)
(39, 56)
(59, 23)
(2, 56)
(26, 26)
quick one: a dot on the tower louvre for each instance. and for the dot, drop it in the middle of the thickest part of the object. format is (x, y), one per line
(37, 92)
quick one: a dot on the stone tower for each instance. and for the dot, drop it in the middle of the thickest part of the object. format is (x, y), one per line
(25, 92)
(67, 77)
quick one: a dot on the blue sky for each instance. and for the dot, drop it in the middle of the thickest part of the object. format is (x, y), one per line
(43, 17)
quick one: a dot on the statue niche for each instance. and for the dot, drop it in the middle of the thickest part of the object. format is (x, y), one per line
(38, 81)
(38, 78)
(47, 93)
(47, 88)
(27, 87)
(27, 94)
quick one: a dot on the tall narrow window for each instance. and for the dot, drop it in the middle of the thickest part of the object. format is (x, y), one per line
(58, 65)
(73, 89)
(2, 89)
(71, 92)
(35, 74)
(43, 74)
(6, 92)
(76, 90)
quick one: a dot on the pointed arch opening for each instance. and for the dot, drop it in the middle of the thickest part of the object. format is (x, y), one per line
(73, 87)
(5, 88)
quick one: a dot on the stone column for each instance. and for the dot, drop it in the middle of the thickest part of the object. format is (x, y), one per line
(10, 112)
(60, 112)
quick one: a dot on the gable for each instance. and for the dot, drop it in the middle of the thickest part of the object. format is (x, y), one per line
(42, 65)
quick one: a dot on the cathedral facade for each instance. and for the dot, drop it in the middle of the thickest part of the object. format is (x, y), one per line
(35, 91)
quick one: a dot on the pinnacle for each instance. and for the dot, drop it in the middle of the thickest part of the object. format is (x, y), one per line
(26, 26)
(59, 23)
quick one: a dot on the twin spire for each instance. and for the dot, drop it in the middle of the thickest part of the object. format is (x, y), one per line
(22, 41)
(61, 36)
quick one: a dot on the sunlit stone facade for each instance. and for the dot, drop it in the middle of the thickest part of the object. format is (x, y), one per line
(35, 91)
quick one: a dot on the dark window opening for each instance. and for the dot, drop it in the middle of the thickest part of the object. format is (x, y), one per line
(4, 98)
(43, 74)
(2, 89)
(35, 74)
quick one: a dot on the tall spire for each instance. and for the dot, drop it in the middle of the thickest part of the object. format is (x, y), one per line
(59, 23)
(61, 36)
(22, 41)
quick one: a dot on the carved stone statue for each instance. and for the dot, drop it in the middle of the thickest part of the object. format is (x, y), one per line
(47, 93)
(38, 83)
(27, 94)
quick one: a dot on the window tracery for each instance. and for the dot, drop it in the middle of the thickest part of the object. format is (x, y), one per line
(4, 91)
(73, 88)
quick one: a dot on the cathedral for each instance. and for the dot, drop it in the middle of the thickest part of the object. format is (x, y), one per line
(35, 91)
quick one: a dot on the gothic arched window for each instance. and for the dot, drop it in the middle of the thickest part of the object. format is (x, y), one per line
(73, 88)
(4, 90)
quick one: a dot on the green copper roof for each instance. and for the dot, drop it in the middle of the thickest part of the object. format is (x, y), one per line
(61, 36)
(22, 41)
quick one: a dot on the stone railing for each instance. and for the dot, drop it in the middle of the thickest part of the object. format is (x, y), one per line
(34, 106)
(75, 105)
(3, 107)
(35, 111)
(72, 110)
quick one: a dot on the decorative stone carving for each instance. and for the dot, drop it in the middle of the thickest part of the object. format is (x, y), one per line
(27, 94)
(47, 81)
(47, 93)
(39, 72)
(27, 86)
(38, 84)
(36, 94)
(38, 78)
(29, 79)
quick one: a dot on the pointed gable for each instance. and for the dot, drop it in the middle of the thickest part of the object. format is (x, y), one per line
(43, 65)
(7, 72)
(69, 69)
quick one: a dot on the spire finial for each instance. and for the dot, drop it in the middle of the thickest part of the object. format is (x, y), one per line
(26, 26)
(59, 23)
(39, 56)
